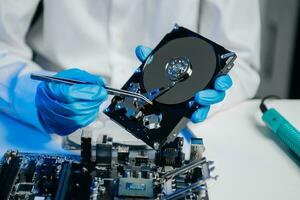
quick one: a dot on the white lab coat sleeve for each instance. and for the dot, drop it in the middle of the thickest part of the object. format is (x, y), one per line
(17, 90)
(236, 25)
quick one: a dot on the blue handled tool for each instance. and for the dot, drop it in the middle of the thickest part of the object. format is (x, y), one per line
(281, 127)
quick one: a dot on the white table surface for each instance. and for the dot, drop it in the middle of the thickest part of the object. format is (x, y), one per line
(250, 161)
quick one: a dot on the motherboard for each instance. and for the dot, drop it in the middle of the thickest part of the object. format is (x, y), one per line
(107, 171)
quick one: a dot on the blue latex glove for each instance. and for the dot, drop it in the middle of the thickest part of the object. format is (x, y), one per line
(205, 97)
(63, 108)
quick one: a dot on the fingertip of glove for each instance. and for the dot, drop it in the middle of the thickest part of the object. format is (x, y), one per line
(209, 96)
(103, 80)
(200, 115)
(142, 52)
(223, 83)
(103, 94)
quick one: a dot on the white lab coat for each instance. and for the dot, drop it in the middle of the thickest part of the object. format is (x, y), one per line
(100, 36)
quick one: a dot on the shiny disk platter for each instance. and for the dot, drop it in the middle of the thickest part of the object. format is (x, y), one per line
(183, 63)
(190, 61)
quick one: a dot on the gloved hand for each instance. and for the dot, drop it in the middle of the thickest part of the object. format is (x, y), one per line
(63, 108)
(205, 98)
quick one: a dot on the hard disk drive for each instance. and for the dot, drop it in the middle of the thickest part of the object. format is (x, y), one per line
(183, 63)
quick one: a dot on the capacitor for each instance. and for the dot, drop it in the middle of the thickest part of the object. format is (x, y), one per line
(197, 149)
(103, 152)
(86, 146)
